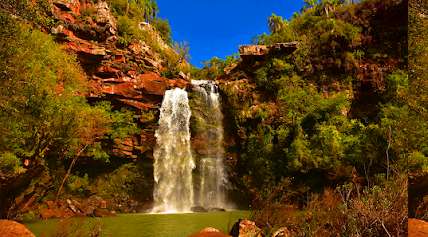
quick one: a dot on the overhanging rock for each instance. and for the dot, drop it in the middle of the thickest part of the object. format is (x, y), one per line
(260, 51)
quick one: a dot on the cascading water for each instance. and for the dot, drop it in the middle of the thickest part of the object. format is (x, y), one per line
(175, 179)
(209, 132)
(174, 163)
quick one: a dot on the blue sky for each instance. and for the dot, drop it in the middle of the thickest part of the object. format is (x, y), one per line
(218, 27)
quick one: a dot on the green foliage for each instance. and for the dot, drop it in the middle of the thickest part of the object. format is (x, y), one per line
(176, 60)
(98, 152)
(37, 11)
(123, 124)
(281, 31)
(10, 164)
(29, 217)
(131, 13)
(127, 30)
(409, 120)
(140, 10)
(156, 34)
(397, 85)
(118, 185)
(43, 111)
(418, 161)
(268, 76)
(214, 68)
(327, 43)
(164, 29)
(276, 23)
(39, 88)
(77, 184)
(312, 129)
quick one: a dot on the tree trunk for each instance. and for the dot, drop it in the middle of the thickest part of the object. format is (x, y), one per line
(73, 162)
(387, 153)
(11, 188)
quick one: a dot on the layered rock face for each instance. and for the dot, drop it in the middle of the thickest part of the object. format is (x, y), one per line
(128, 78)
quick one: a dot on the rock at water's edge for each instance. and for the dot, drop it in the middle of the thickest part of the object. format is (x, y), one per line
(216, 209)
(198, 209)
(14, 229)
(245, 228)
(98, 212)
(210, 232)
(417, 228)
(282, 232)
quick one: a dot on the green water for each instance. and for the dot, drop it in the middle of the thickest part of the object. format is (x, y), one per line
(146, 225)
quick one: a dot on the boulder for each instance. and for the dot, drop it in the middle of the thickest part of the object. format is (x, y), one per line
(216, 209)
(68, 5)
(209, 232)
(245, 228)
(106, 71)
(87, 50)
(64, 16)
(184, 76)
(98, 212)
(58, 212)
(153, 83)
(144, 54)
(180, 83)
(417, 228)
(198, 209)
(139, 47)
(282, 232)
(103, 204)
(104, 17)
(62, 32)
(126, 90)
(14, 229)
(152, 63)
(72, 206)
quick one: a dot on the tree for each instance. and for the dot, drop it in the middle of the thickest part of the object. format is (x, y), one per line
(276, 23)
(43, 111)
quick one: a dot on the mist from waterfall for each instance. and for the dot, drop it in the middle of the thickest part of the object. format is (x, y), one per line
(209, 118)
(173, 191)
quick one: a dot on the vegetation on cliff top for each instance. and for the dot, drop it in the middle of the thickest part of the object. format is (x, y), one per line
(336, 114)
(132, 14)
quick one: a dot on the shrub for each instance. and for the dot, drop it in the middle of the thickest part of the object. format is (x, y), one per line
(164, 29)
(10, 164)
(29, 217)
(140, 10)
(379, 210)
(77, 184)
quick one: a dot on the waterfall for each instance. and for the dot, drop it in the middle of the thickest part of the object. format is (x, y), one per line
(174, 163)
(181, 182)
(209, 131)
